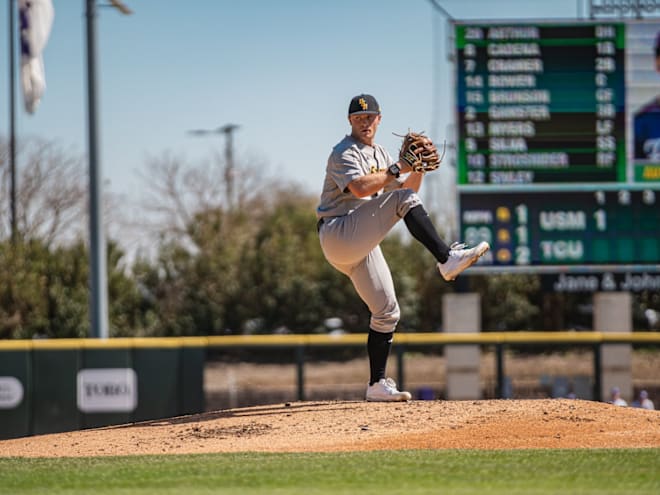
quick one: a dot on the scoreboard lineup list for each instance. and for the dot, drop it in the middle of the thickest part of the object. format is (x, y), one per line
(542, 166)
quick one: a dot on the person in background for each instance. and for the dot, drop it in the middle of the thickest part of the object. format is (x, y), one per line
(616, 397)
(644, 402)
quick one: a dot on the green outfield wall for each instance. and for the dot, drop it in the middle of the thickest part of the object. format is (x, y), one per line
(49, 386)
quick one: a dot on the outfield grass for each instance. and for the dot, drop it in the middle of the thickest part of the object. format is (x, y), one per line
(528, 472)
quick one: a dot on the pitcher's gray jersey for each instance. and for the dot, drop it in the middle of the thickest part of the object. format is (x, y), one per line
(349, 159)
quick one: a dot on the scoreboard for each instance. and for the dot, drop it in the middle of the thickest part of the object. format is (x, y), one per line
(546, 168)
(565, 228)
(541, 104)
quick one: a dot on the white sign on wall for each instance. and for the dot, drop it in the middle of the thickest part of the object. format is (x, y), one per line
(102, 390)
(11, 392)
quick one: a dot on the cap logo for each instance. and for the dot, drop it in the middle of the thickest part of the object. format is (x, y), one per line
(363, 103)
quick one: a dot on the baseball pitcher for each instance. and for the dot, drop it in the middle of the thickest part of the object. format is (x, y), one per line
(365, 193)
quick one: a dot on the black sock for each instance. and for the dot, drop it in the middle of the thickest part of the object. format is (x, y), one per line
(378, 348)
(420, 226)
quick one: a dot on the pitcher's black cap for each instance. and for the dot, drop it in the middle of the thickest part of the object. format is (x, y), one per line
(363, 104)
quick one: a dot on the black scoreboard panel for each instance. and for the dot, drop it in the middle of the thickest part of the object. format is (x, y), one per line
(544, 173)
(540, 103)
(564, 228)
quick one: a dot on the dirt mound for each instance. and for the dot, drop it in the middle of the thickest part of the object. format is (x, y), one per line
(349, 426)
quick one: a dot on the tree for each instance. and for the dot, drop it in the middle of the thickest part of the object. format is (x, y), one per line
(51, 192)
(45, 273)
(46, 293)
(201, 240)
(176, 192)
(509, 301)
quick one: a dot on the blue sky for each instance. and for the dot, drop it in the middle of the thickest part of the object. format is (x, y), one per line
(283, 70)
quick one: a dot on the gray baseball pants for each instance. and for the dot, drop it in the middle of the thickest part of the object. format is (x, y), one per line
(350, 243)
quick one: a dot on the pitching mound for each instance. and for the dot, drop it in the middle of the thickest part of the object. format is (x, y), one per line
(349, 426)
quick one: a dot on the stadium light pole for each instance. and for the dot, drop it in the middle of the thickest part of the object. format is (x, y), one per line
(97, 244)
(228, 131)
(12, 121)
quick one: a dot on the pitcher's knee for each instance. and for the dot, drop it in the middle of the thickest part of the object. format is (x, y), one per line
(407, 199)
(386, 321)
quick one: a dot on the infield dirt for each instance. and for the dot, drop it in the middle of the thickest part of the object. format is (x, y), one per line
(333, 426)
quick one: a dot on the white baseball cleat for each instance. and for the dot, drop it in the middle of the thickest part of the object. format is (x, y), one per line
(461, 258)
(384, 390)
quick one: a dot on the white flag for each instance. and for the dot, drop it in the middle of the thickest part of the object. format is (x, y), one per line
(36, 21)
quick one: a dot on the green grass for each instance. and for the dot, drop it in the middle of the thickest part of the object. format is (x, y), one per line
(412, 472)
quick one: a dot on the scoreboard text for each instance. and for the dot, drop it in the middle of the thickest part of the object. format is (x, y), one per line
(541, 104)
(543, 167)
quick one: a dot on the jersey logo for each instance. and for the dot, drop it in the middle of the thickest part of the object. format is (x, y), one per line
(363, 103)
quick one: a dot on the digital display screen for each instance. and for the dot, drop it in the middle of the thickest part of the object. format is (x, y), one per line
(541, 104)
(558, 142)
(564, 228)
